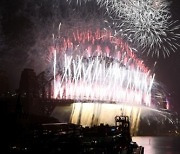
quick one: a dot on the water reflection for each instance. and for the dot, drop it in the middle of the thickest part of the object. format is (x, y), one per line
(159, 145)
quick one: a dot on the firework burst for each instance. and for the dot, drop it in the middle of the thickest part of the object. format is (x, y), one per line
(146, 24)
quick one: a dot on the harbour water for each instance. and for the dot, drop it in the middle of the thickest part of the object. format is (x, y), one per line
(159, 145)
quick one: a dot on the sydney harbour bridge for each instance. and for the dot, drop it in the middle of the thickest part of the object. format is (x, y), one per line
(92, 77)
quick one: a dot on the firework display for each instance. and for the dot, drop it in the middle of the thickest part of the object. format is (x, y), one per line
(95, 59)
(94, 65)
(148, 25)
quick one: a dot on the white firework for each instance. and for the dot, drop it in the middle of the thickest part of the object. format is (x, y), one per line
(97, 79)
(147, 24)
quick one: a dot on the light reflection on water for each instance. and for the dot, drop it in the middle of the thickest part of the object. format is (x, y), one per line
(159, 145)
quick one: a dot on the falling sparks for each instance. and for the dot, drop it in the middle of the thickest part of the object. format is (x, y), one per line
(97, 66)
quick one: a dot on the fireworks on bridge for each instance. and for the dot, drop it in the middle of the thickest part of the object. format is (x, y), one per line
(88, 61)
(97, 66)
(95, 61)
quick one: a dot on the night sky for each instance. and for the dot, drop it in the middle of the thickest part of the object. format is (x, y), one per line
(26, 28)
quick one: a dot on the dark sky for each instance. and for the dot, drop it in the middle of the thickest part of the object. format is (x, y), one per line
(25, 36)
(168, 69)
